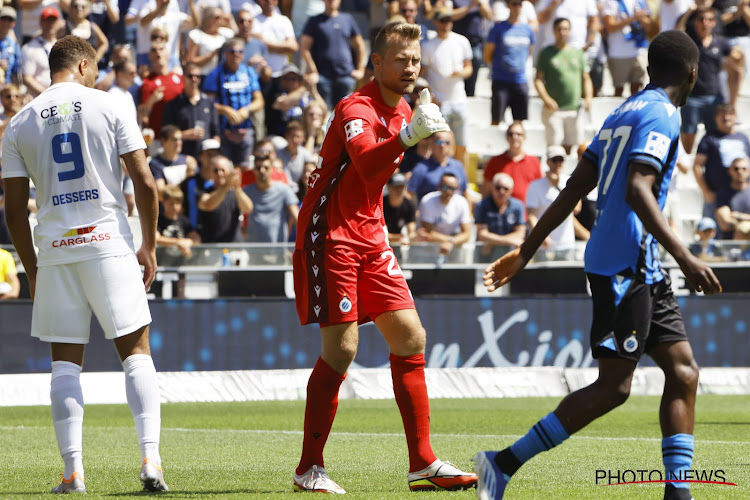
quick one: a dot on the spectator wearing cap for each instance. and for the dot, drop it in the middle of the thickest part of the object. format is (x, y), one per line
(194, 186)
(542, 192)
(399, 212)
(500, 217)
(35, 66)
(192, 112)
(561, 79)
(205, 42)
(326, 47)
(290, 94)
(31, 14)
(706, 247)
(235, 89)
(733, 203)
(294, 156)
(277, 33)
(446, 63)
(508, 47)
(10, 51)
(523, 168)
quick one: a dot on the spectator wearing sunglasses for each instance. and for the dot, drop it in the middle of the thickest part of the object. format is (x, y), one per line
(425, 177)
(79, 25)
(445, 216)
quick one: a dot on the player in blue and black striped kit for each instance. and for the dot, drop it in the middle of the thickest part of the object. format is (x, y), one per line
(630, 161)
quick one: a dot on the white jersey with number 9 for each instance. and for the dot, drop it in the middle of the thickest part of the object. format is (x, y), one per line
(68, 141)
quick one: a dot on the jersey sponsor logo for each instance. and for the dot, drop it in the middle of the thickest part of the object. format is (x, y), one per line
(630, 344)
(657, 145)
(345, 305)
(61, 113)
(80, 236)
(353, 128)
(75, 197)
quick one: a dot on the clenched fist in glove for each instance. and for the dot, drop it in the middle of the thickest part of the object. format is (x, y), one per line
(427, 120)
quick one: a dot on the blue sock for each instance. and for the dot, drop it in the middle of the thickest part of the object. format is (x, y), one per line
(545, 435)
(677, 454)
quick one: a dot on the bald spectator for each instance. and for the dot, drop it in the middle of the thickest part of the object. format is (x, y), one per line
(500, 217)
(522, 168)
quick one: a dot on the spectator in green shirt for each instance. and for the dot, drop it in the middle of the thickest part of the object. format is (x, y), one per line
(562, 79)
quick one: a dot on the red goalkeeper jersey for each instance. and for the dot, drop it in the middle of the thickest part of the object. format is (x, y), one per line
(344, 202)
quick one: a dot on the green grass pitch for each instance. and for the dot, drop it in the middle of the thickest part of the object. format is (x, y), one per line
(249, 450)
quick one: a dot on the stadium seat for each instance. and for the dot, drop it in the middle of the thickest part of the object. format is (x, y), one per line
(601, 107)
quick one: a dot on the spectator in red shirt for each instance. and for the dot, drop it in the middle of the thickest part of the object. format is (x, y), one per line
(159, 87)
(523, 168)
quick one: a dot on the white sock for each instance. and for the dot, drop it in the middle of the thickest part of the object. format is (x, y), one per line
(142, 391)
(67, 414)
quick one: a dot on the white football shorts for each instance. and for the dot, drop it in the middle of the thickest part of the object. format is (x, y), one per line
(66, 295)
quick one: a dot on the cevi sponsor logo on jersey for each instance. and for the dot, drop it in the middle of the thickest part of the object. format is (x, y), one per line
(80, 236)
(61, 113)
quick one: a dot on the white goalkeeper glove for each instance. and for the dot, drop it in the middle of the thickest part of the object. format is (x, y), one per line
(427, 120)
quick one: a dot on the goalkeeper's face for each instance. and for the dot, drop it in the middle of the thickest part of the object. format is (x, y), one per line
(398, 69)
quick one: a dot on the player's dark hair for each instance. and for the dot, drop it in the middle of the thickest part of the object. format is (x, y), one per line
(399, 29)
(671, 56)
(167, 131)
(559, 20)
(68, 51)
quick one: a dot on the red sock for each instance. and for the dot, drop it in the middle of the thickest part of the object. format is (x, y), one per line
(411, 396)
(322, 402)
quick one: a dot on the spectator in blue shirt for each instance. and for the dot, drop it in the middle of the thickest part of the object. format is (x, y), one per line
(326, 47)
(10, 52)
(425, 178)
(500, 217)
(508, 46)
(234, 87)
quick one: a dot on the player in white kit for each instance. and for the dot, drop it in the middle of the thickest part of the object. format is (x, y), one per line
(69, 141)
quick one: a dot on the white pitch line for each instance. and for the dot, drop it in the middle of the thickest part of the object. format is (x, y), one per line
(377, 434)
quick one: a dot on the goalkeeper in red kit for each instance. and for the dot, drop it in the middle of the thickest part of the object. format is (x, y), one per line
(345, 273)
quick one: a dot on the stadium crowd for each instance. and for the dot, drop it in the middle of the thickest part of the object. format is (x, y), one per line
(232, 97)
